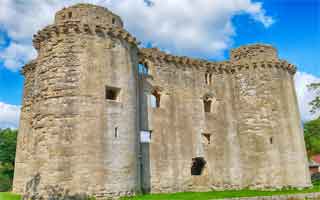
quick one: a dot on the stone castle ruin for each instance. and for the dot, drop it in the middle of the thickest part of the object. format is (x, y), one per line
(104, 117)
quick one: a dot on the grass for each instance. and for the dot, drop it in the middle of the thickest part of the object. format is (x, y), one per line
(219, 194)
(9, 196)
(197, 195)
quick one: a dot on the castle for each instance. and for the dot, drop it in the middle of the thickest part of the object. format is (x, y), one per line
(104, 117)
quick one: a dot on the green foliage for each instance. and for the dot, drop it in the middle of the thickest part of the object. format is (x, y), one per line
(315, 104)
(315, 178)
(8, 141)
(312, 137)
(5, 182)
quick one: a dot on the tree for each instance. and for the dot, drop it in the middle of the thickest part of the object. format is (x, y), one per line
(312, 137)
(315, 104)
(8, 142)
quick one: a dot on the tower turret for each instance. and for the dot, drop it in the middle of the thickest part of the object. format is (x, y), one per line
(87, 14)
(254, 52)
(82, 128)
(268, 119)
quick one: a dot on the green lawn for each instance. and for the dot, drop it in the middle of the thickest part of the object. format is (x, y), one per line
(8, 196)
(196, 195)
(218, 195)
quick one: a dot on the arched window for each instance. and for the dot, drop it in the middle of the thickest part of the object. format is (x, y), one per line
(155, 99)
(143, 69)
(207, 105)
(197, 167)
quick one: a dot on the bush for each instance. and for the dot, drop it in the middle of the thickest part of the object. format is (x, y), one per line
(5, 182)
(315, 178)
(8, 140)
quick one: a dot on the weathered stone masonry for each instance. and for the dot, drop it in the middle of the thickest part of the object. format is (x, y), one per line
(216, 125)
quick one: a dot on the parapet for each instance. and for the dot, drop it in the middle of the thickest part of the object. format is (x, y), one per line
(88, 14)
(254, 52)
(261, 60)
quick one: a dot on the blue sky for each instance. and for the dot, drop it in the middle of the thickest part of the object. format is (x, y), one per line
(296, 32)
(203, 29)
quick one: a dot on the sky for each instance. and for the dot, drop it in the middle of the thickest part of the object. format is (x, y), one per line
(206, 29)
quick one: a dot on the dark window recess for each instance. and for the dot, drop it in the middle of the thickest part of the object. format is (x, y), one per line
(271, 140)
(113, 20)
(112, 93)
(198, 165)
(207, 136)
(70, 14)
(208, 78)
(156, 94)
(207, 105)
(116, 132)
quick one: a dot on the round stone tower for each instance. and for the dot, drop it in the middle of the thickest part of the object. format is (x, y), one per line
(79, 125)
(269, 126)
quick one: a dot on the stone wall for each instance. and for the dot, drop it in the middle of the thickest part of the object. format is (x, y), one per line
(251, 137)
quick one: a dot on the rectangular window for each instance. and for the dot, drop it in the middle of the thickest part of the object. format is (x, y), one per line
(112, 93)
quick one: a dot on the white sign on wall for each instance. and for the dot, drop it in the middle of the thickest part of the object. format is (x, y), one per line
(145, 136)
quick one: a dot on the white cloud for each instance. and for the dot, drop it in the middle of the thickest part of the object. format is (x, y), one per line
(16, 54)
(9, 115)
(305, 96)
(201, 28)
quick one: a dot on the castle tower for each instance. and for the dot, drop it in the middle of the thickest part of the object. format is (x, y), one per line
(79, 122)
(273, 152)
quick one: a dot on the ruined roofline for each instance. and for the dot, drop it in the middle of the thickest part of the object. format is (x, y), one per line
(28, 67)
(88, 13)
(72, 27)
(158, 57)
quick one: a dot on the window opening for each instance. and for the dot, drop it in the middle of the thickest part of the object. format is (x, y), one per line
(70, 14)
(112, 93)
(271, 140)
(116, 132)
(207, 105)
(206, 78)
(198, 165)
(155, 99)
(143, 69)
(113, 21)
(207, 137)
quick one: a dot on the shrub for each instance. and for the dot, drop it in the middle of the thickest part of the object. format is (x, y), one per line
(315, 178)
(5, 182)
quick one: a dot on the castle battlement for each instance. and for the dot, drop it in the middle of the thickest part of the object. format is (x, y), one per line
(102, 117)
(252, 57)
(73, 27)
